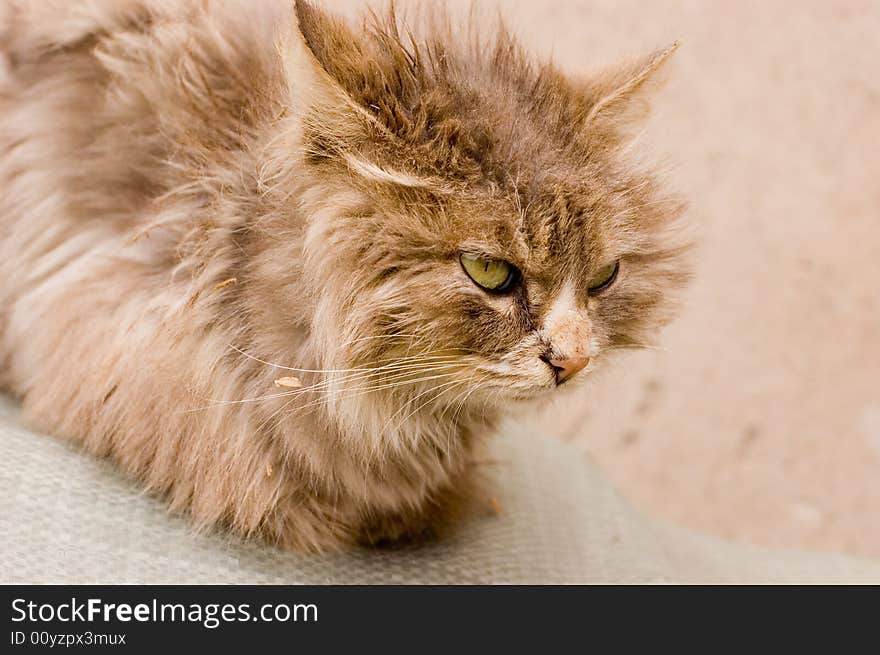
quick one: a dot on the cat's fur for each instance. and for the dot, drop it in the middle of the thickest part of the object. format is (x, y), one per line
(192, 192)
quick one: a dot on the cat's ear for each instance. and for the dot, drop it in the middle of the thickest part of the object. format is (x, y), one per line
(617, 98)
(328, 40)
(334, 75)
(315, 54)
(336, 80)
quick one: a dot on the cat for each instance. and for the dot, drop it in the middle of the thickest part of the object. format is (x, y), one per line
(290, 273)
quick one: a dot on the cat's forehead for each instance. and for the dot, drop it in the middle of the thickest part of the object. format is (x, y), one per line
(547, 227)
(545, 203)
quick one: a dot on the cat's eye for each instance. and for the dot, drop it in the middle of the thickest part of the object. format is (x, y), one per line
(493, 275)
(605, 277)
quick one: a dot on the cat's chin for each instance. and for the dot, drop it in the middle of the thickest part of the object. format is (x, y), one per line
(545, 395)
(541, 395)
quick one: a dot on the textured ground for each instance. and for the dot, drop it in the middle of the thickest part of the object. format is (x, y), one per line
(760, 419)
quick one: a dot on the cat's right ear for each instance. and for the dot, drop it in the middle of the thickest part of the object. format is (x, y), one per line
(322, 36)
(308, 54)
(323, 58)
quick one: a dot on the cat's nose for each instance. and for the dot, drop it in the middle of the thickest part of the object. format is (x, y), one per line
(566, 367)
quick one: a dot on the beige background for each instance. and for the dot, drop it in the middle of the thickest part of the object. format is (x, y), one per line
(759, 419)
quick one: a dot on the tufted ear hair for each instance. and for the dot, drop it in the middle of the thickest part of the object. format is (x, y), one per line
(328, 39)
(316, 53)
(617, 96)
(353, 90)
(381, 71)
(306, 48)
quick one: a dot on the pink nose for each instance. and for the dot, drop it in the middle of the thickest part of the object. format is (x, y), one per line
(568, 366)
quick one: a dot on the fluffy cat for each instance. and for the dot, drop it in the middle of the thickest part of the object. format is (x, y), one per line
(289, 273)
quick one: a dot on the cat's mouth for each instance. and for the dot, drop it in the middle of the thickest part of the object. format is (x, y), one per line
(538, 393)
(556, 374)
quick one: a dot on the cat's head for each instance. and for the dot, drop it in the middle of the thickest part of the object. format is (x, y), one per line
(473, 218)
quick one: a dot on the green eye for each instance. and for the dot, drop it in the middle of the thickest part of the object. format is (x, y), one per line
(492, 275)
(604, 278)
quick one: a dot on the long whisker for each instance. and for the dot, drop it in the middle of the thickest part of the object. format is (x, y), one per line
(306, 370)
(381, 336)
(463, 397)
(358, 393)
(366, 373)
(447, 386)
(639, 346)
(413, 364)
(398, 379)
(409, 402)
(383, 374)
(321, 401)
(354, 393)
(438, 352)
(463, 402)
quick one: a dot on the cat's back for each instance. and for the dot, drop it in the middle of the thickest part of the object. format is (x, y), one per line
(116, 115)
(112, 113)
(107, 106)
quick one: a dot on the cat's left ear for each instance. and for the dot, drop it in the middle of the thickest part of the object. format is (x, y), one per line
(617, 97)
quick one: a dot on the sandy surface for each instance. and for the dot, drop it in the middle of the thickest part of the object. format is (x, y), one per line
(760, 418)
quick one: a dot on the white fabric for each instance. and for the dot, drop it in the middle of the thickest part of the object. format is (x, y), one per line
(66, 517)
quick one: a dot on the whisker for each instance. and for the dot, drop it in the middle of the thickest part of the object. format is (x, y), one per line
(291, 368)
(392, 381)
(413, 364)
(354, 376)
(639, 346)
(380, 336)
(445, 387)
(344, 370)
(354, 393)
(463, 402)
(409, 402)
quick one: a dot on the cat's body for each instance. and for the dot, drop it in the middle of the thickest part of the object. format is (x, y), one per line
(189, 191)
